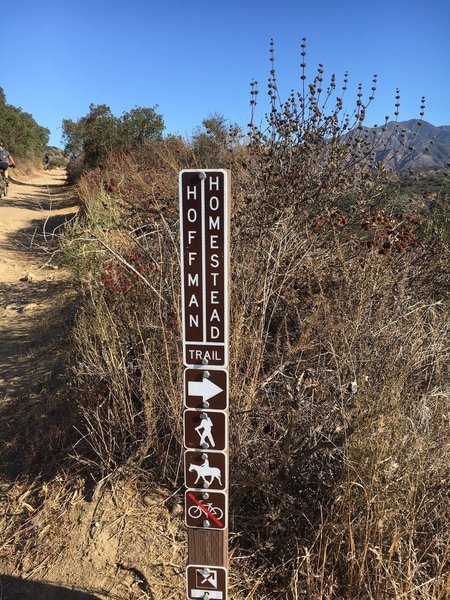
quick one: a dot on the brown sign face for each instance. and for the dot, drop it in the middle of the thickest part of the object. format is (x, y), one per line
(205, 470)
(205, 429)
(204, 233)
(206, 389)
(206, 582)
(206, 510)
(198, 354)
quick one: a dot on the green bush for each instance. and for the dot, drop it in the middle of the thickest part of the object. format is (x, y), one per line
(19, 131)
(90, 139)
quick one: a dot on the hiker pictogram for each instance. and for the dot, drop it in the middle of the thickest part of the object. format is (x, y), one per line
(205, 430)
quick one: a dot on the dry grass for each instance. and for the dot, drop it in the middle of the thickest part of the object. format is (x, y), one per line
(98, 545)
(339, 383)
(340, 392)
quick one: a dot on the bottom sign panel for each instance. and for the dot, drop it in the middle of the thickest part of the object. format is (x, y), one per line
(206, 510)
(206, 582)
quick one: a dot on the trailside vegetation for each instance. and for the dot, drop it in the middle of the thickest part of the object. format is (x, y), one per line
(340, 397)
(19, 131)
(89, 140)
(339, 346)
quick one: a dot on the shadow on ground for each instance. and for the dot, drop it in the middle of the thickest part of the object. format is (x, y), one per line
(12, 588)
(40, 236)
(55, 199)
(36, 422)
(59, 183)
(34, 334)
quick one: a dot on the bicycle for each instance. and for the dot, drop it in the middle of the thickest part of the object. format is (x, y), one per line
(196, 512)
(4, 182)
(3, 185)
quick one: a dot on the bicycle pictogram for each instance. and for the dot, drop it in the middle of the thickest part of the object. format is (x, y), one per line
(197, 511)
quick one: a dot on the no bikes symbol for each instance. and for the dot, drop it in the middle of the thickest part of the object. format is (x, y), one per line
(196, 512)
(206, 509)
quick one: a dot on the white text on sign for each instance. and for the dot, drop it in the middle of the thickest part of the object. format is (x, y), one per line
(204, 244)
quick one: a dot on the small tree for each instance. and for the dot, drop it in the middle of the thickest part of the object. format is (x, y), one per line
(213, 145)
(140, 126)
(90, 139)
(19, 131)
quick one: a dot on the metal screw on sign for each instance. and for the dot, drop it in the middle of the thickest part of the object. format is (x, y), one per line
(205, 496)
(202, 175)
(205, 361)
(206, 374)
(206, 524)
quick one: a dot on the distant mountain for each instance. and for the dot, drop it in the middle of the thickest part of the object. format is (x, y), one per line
(412, 144)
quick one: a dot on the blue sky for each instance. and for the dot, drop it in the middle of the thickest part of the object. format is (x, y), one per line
(196, 58)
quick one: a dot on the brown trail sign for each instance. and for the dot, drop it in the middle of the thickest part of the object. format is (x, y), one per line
(205, 429)
(204, 231)
(204, 241)
(206, 389)
(207, 583)
(206, 509)
(206, 470)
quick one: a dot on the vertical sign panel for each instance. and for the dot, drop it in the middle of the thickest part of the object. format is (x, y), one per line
(192, 253)
(204, 239)
(204, 231)
(215, 247)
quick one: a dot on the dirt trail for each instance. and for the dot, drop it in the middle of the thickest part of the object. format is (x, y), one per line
(31, 286)
(57, 541)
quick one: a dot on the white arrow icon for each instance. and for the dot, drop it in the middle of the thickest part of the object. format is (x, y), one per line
(205, 388)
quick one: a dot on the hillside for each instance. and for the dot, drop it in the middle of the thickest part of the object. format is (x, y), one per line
(412, 144)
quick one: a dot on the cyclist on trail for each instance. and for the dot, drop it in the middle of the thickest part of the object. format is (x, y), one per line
(6, 161)
(46, 161)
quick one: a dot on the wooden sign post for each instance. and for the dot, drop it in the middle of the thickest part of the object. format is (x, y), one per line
(204, 238)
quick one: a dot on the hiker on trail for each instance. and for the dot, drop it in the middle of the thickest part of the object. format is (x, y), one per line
(46, 161)
(6, 161)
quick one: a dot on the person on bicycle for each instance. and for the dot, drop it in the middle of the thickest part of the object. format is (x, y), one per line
(6, 161)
